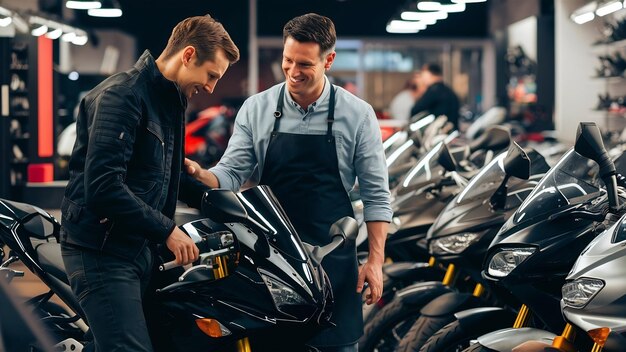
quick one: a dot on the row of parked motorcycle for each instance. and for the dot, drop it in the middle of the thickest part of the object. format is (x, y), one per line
(496, 247)
(493, 246)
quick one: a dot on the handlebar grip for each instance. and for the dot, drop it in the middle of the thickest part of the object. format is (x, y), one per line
(169, 265)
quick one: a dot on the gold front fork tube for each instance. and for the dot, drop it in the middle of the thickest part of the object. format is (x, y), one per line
(565, 341)
(450, 274)
(522, 317)
(431, 261)
(596, 348)
(478, 290)
(243, 345)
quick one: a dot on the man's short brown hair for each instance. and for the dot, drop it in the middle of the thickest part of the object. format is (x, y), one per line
(312, 28)
(206, 35)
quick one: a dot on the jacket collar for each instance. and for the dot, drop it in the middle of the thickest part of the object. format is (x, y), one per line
(147, 64)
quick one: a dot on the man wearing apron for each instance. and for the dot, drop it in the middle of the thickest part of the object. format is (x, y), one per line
(310, 140)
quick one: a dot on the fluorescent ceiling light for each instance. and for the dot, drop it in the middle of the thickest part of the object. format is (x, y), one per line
(583, 18)
(80, 40)
(418, 16)
(54, 34)
(437, 6)
(429, 6)
(110, 8)
(68, 37)
(467, 1)
(407, 25)
(609, 7)
(584, 14)
(453, 7)
(82, 4)
(391, 29)
(39, 30)
(105, 12)
(4, 22)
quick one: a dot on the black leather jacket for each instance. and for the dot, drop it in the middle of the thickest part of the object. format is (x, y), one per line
(126, 166)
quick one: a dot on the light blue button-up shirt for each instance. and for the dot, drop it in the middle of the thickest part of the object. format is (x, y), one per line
(356, 130)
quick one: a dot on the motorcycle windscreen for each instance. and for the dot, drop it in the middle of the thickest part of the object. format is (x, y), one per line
(568, 183)
(487, 181)
(264, 208)
(427, 169)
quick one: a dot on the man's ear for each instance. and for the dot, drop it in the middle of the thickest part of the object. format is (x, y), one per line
(330, 58)
(188, 53)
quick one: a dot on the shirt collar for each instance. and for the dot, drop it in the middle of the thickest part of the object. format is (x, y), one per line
(316, 104)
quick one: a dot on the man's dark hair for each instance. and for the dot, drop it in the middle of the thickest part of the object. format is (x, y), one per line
(312, 28)
(206, 35)
(433, 68)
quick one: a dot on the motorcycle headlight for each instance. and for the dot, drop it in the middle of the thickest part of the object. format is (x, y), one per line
(580, 291)
(453, 244)
(281, 293)
(505, 261)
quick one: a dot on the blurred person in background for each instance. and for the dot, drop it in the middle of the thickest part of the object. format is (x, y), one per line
(438, 99)
(402, 103)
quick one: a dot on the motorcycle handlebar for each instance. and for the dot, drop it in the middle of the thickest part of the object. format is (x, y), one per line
(169, 265)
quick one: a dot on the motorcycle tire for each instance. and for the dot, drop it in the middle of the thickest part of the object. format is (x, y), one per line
(453, 337)
(386, 329)
(421, 331)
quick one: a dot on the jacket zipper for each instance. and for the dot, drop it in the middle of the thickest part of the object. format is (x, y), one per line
(164, 161)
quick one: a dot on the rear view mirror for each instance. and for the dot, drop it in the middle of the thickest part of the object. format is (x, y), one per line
(517, 162)
(222, 205)
(342, 232)
(589, 144)
(446, 159)
(346, 227)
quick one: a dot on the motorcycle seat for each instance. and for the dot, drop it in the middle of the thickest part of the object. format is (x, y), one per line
(403, 269)
(51, 261)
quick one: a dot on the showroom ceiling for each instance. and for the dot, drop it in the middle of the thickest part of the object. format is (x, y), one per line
(151, 20)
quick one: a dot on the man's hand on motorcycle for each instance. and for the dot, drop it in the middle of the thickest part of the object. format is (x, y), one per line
(183, 247)
(372, 274)
(192, 168)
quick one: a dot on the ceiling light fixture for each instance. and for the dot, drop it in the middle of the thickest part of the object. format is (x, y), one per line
(585, 13)
(80, 38)
(468, 1)
(82, 4)
(54, 33)
(110, 8)
(5, 17)
(38, 26)
(609, 7)
(445, 6)
(418, 16)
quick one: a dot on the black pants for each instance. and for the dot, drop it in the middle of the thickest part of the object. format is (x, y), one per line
(110, 290)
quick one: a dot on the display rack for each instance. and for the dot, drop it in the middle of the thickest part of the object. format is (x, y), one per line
(26, 112)
(612, 105)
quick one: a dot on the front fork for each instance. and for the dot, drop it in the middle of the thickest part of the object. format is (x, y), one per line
(565, 342)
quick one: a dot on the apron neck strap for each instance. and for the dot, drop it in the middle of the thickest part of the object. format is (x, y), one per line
(331, 110)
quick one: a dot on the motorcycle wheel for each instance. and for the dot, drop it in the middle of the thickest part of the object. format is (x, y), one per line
(421, 331)
(387, 328)
(453, 338)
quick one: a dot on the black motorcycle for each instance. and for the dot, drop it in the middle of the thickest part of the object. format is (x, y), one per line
(529, 258)
(384, 331)
(463, 232)
(254, 284)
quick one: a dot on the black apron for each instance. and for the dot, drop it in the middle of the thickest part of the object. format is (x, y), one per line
(303, 172)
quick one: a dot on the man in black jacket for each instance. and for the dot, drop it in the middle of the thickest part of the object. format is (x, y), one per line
(125, 178)
(438, 99)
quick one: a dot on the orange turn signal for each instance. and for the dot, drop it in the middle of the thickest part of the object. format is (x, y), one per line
(212, 327)
(599, 335)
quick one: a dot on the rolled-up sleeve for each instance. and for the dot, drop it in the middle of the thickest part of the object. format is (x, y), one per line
(371, 170)
(239, 160)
